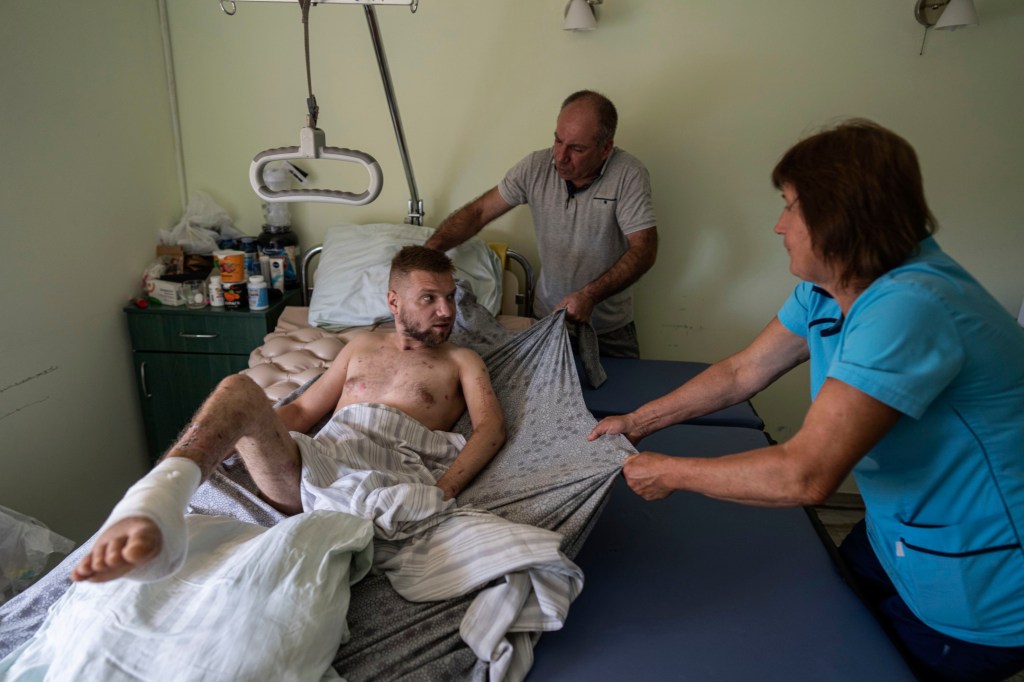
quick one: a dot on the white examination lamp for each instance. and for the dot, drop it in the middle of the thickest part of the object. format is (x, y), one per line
(958, 14)
(946, 15)
(579, 16)
(949, 15)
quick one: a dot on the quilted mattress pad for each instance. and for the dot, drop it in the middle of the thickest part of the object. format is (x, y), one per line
(294, 352)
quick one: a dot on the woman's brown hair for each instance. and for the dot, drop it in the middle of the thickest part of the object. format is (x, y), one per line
(861, 195)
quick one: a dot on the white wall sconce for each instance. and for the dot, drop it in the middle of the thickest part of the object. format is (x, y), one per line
(580, 15)
(945, 15)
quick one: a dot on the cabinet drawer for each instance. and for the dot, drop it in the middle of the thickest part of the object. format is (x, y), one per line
(226, 332)
(172, 386)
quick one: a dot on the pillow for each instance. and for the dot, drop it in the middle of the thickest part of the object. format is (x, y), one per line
(352, 275)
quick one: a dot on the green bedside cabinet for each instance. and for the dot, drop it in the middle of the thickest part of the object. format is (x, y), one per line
(180, 354)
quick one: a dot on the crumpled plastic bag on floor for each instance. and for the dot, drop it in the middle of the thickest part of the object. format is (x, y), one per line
(27, 550)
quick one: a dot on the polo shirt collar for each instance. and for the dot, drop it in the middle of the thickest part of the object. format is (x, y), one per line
(574, 190)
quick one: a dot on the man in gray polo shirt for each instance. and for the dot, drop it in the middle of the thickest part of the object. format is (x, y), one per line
(593, 216)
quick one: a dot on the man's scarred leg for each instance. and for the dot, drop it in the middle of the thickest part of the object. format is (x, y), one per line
(145, 536)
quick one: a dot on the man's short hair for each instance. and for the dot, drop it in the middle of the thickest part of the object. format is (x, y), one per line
(860, 192)
(607, 116)
(416, 257)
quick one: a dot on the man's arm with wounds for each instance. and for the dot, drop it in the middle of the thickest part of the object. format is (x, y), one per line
(488, 425)
(321, 397)
(468, 220)
(638, 259)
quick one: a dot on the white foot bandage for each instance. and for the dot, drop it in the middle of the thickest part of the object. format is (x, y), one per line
(162, 496)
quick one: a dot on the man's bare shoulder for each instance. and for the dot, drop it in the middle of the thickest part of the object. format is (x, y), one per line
(367, 338)
(464, 356)
(357, 346)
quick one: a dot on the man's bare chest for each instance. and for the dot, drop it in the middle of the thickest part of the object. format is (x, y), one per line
(422, 377)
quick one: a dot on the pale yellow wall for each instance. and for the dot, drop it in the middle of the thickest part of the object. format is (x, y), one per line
(87, 176)
(710, 94)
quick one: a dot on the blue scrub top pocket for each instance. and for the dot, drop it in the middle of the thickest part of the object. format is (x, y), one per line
(964, 578)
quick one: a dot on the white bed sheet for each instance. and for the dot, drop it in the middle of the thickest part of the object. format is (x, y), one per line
(250, 603)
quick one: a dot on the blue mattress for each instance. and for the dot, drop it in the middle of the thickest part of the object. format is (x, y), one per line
(632, 383)
(690, 588)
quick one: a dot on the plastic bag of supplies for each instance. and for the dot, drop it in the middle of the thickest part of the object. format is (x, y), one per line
(203, 224)
(28, 549)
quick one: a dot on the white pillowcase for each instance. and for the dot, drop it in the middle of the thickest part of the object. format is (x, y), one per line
(352, 274)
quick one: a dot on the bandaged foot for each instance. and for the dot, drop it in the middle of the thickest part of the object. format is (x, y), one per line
(145, 537)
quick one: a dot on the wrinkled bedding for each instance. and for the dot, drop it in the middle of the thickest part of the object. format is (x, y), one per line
(241, 584)
(547, 475)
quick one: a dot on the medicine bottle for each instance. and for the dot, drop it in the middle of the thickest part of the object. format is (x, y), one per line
(259, 297)
(216, 292)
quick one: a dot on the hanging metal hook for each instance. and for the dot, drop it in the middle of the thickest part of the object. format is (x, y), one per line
(234, 7)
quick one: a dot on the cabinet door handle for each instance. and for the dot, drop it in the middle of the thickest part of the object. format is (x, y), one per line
(142, 378)
(197, 336)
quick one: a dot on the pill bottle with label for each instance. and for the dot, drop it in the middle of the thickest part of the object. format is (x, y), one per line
(216, 292)
(259, 296)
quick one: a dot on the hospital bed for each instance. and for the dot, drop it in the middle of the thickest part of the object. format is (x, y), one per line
(631, 383)
(692, 588)
(547, 476)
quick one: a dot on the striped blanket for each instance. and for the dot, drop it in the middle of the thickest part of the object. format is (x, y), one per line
(373, 461)
(546, 476)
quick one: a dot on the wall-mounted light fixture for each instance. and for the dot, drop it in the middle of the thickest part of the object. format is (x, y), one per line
(948, 15)
(580, 15)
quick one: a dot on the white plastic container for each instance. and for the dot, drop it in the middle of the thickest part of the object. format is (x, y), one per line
(259, 296)
(216, 292)
(277, 179)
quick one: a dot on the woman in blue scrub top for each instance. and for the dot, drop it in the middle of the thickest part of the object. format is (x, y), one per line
(917, 385)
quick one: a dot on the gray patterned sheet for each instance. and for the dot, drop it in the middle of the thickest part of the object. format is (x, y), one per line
(546, 475)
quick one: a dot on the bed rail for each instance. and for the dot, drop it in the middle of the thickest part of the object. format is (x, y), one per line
(526, 298)
(304, 280)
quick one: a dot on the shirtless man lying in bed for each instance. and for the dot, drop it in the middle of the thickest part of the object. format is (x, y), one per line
(413, 369)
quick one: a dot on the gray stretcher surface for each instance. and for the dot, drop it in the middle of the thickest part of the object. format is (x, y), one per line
(690, 588)
(631, 383)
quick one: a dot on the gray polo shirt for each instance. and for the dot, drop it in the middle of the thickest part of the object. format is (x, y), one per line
(579, 237)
